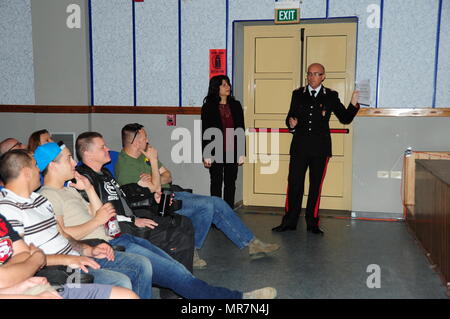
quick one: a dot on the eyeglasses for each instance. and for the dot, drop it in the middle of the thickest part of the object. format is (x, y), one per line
(15, 145)
(134, 137)
(314, 74)
(136, 127)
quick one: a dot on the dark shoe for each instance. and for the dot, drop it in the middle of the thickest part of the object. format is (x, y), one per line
(315, 230)
(283, 228)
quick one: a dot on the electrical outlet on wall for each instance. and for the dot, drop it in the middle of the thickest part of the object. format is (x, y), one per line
(382, 174)
(396, 174)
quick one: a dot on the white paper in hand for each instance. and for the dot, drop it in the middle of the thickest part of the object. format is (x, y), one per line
(363, 87)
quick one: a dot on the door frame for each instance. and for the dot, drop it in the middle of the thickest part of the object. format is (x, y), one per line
(237, 71)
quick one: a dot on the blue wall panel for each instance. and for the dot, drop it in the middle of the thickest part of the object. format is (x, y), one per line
(367, 41)
(16, 53)
(112, 52)
(408, 55)
(203, 28)
(157, 52)
(443, 75)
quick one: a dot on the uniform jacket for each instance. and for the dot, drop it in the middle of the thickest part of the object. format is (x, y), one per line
(211, 118)
(311, 136)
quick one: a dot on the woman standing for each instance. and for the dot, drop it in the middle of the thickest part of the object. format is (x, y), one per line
(221, 112)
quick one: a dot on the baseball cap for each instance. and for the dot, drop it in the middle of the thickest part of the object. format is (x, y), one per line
(46, 153)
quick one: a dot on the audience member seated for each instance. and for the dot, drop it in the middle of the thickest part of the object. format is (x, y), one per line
(37, 138)
(135, 165)
(10, 144)
(19, 262)
(167, 272)
(83, 220)
(174, 235)
(6, 145)
(32, 216)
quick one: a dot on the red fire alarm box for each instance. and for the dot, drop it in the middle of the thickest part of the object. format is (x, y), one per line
(171, 120)
(217, 62)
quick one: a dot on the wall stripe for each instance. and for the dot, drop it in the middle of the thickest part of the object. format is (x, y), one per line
(327, 9)
(134, 53)
(380, 38)
(436, 63)
(91, 58)
(227, 16)
(180, 83)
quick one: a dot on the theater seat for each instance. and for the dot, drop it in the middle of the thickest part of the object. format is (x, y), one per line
(111, 165)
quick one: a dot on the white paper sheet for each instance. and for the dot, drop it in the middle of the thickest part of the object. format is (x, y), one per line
(363, 87)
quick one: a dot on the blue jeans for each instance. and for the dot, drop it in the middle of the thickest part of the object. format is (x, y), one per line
(206, 210)
(137, 269)
(169, 273)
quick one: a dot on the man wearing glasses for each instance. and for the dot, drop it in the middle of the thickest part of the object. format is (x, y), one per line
(10, 144)
(308, 120)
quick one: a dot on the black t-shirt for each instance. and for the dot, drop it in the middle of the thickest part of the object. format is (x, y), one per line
(7, 236)
(107, 189)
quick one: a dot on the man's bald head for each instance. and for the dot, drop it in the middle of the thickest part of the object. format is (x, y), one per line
(10, 144)
(316, 75)
(316, 66)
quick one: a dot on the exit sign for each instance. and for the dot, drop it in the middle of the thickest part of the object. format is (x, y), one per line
(285, 16)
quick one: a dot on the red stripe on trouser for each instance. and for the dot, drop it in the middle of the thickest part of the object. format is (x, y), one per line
(316, 208)
(286, 204)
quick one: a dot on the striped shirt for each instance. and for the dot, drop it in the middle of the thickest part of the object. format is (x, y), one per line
(33, 218)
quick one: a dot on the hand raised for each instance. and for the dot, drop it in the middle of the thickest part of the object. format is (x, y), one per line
(355, 97)
(150, 152)
(82, 183)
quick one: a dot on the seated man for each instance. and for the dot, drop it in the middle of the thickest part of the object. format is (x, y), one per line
(32, 216)
(10, 144)
(73, 210)
(174, 235)
(133, 165)
(19, 262)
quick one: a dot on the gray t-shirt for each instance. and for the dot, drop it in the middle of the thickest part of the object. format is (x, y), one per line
(69, 204)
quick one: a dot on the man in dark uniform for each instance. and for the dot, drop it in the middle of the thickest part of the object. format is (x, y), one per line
(308, 119)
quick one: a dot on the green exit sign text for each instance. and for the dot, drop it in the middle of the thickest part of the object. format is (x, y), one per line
(283, 16)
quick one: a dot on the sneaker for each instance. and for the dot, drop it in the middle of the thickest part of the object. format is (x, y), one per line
(263, 293)
(198, 262)
(258, 249)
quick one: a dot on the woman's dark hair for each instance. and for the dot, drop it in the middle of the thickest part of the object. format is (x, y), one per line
(213, 96)
(35, 139)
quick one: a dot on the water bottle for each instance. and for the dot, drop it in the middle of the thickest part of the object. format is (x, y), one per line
(112, 228)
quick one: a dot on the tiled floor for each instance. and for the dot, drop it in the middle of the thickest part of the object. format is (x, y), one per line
(331, 266)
